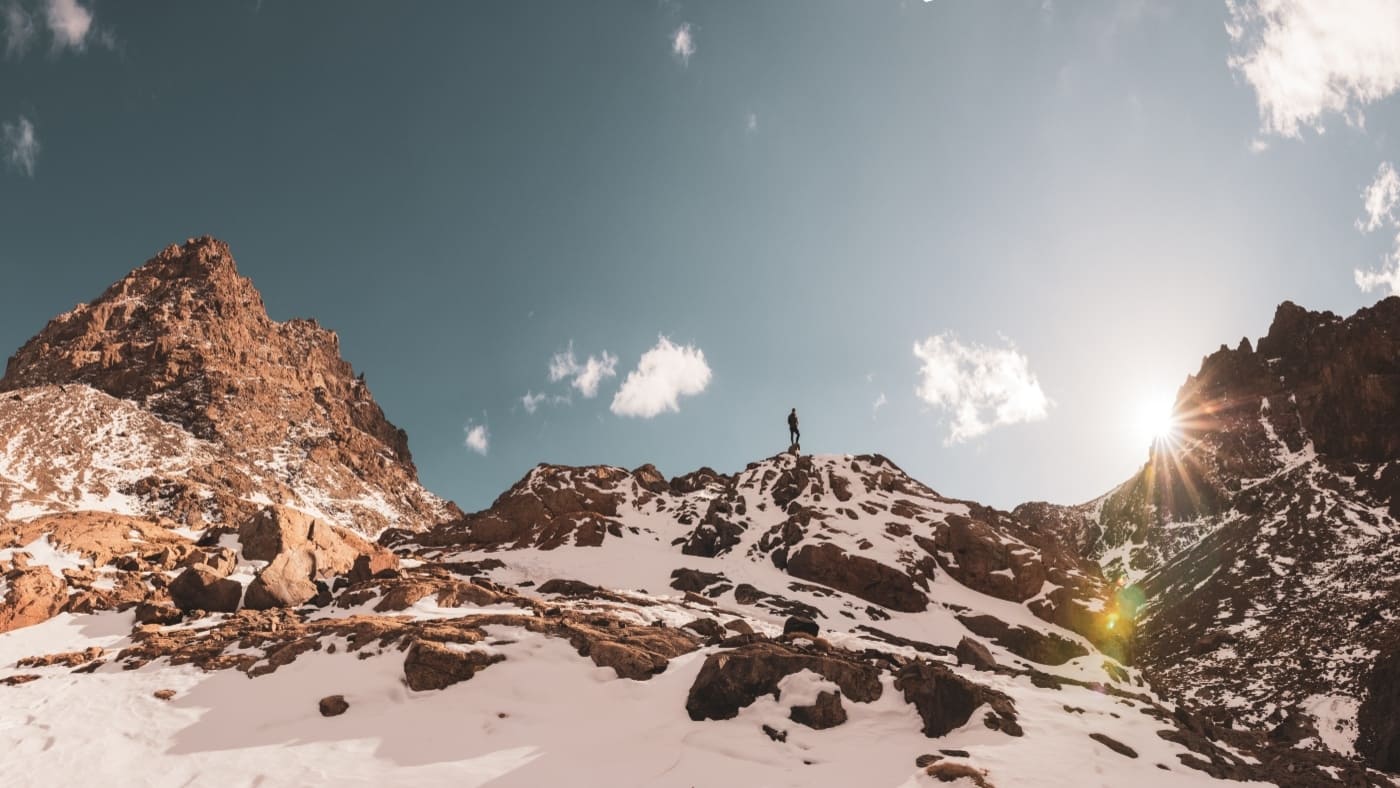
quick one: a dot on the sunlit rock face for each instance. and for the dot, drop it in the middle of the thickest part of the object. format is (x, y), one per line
(1263, 534)
(193, 404)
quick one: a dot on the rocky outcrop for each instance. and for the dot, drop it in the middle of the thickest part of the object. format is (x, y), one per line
(855, 574)
(285, 582)
(200, 587)
(270, 407)
(825, 712)
(946, 701)
(34, 595)
(1034, 645)
(433, 666)
(731, 680)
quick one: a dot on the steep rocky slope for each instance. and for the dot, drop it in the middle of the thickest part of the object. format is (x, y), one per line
(1263, 537)
(174, 394)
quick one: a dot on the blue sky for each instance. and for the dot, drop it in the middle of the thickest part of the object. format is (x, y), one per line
(983, 239)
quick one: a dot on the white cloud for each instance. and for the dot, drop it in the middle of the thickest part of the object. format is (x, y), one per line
(21, 145)
(19, 29)
(1379, 199)
(1387, 277)
(751, 122)
(683, 43)
(665, 373)
(69, 22)
(533, 401)
(980, 387)
(478, 438)
(1307, 59)
(586, 376)
(880, 402)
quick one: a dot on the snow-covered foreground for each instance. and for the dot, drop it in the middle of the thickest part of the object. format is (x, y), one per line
(543, 716)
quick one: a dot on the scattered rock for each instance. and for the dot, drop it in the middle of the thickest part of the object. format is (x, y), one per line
(35, 595)
(157, 613)
(971, 652)
(1034, 645)
(1115, 745)
(333, 706)
(433, 666)
(164, 694)
(201, 588)
(731, 680)
(285, 582)
(947, 772)
(826, 712)
(945, 701)
(799, 624)
(866, 578)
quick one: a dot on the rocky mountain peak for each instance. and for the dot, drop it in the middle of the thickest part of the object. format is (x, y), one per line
(186, 338)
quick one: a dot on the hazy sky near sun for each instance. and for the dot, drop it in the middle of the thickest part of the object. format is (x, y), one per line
(974, 237)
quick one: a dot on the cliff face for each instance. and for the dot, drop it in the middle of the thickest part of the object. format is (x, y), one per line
(1264, 535)
(186, 339)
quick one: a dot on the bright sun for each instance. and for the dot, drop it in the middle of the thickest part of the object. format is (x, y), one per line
(1154, 419)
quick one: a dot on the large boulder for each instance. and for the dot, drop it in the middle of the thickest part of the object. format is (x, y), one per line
(430, 665)
(868, 579)
(731, 680)
(286, 582)
(202, 588)
(945, 701)
(34, 595)
(334, 550)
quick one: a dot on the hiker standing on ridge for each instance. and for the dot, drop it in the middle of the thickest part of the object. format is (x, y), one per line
(794, 434)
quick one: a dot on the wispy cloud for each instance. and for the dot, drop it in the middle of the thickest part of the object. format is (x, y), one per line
(1378, 201)
(478, 438)
(69, 22)
(664, 374)
(586, 376)
(1308, 59)
(21, 145)
(979, 387)
(533, 401)
(683, 43)
(880, 402)
(751, 122)
(19, 29)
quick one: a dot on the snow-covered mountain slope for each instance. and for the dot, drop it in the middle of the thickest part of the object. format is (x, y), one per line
(187, 596)
(610, 628)
(1263, 538)
(174, 394)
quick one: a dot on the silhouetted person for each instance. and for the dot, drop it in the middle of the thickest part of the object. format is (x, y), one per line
(793, 433)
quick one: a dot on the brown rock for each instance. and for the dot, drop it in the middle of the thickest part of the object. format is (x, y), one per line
(157, 613)
(868, 579)
(35, 595)
(730, 680)
(1036, 646)
(164, 694)
(432, 666)
(201, 588)
(286, 582)
(827, 712)
(333, 706)
(945, 701)
(636, 653)
(971, 652)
